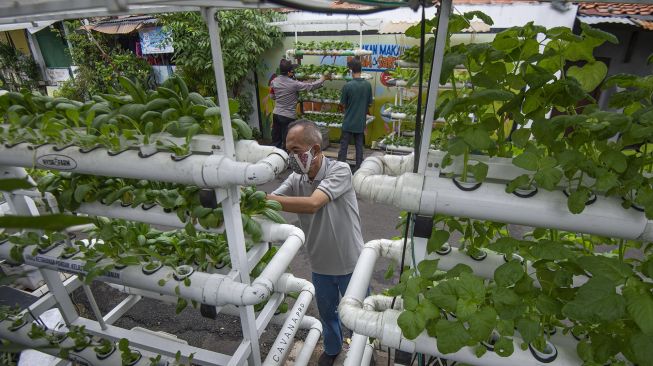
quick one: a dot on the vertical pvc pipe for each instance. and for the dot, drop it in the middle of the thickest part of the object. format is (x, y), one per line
(230, 205)
(436, 69)
(356, 350)
(220, 80)
(306, 352)
(367, 354)
(284, 340)
(94, 307)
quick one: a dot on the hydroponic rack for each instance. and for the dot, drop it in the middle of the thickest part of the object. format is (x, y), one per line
(222, 171)
(429, 190)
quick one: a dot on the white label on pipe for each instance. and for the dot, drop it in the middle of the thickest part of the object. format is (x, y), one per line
(56, 161)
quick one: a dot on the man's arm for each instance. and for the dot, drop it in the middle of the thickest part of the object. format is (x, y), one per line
(301, 86)
(303, 205)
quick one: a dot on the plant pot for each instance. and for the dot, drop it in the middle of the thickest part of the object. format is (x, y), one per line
(17, 323)
(49, 247)
(81, 348)
(444, 249)
(180, 158)
(146, 206)
(34, 147)
(136, 359)
(9, 146)
(182, 272)
(57, 337)
(102, 356)
(70, 254)
(62, 147)
(478, 255)
(579, 335)
(151, 267)
(525, 192)
(86, 150)
(548, 355)
(145, 151)
(116, 152)
(489, 344)
(514, 256)
(470, 185)
(589, 201)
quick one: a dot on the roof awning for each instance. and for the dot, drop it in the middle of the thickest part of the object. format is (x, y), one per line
(121, 25)
(400, 26)
(32, 27)
(641, 23)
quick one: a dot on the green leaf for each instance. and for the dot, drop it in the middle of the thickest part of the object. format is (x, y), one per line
(437, 239)
(598, 34)
(578, 200)
(548, 178)
(596, 301)
(506, 327)
(529, 329)
(606, 181)
(390, 272)
(465, 308)
(12, 184)
(81, 191)
(479, 171)
(526, 160)
(508, 274)
(482, 323)
(411, 324)
(599, 265)
(428, 268)
(505, 245)
(444, 296)
(428, 310)
(642, 348)
(590, 75)
(470, 287)
(452, 336)
(477, 138)
(504, 347)
(614, 159)
(521, 136)
(54, 222)
(639, 303)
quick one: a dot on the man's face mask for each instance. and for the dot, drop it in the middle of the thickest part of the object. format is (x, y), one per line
(301, 163)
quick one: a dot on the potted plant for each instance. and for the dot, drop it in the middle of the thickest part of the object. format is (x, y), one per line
(104, 348)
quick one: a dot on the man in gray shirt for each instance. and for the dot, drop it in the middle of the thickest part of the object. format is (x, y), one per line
(284, 89)
(320, 191)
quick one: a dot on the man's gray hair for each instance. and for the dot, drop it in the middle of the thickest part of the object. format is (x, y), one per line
(310, 131)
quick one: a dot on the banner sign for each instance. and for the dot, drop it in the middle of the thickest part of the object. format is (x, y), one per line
(155, 40)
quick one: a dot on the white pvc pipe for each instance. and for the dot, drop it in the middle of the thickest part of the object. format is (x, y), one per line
(200, 170)
(367, 354)
(20, 336)
(380, 179)
(154, 215)
(283, 342)
(356, 350)
(383, 325)
(211, 289)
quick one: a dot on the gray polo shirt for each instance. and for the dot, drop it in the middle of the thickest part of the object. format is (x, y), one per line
(286, 94)
(333, 234)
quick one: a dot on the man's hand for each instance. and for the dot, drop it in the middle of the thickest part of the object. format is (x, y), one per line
(303, 205)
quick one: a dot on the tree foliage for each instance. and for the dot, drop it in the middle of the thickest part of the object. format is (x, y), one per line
(245, 36)
(101, 60)
(16, 69)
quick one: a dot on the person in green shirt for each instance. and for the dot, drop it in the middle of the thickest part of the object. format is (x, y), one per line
(356, 98)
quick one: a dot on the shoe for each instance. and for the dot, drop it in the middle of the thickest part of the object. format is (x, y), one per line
(326, 360)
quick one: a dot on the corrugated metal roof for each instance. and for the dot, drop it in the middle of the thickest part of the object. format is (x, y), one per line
(648, 25)
(600, 20)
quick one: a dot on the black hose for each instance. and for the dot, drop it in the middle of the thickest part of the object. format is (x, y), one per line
(319, 9)
(418, 116)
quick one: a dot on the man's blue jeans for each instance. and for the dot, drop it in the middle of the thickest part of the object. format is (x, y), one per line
(328, 290)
